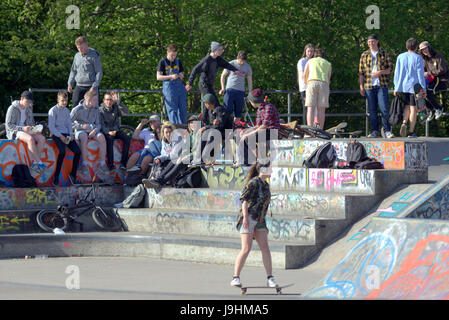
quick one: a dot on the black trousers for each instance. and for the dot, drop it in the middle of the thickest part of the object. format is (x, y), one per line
(78, 94)
(110, 147)
(73, 146)
(433, 104)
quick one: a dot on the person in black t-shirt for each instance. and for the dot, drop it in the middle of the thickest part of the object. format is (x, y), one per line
(170, 71)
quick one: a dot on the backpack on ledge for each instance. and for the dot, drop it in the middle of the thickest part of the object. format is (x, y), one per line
(21, 177)
(323, 157)
(355, 153)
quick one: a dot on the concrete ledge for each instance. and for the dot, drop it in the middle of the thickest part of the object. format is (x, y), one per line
(303, 205)
(207, 250)
(408, 154)
(286, 229)
(340, 181)
(14, 152)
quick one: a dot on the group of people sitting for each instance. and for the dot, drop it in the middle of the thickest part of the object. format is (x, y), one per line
(162, 148)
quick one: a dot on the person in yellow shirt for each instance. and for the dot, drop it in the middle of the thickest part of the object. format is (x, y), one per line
(317, 76)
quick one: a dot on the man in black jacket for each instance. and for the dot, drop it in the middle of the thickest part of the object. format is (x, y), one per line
(213, 117)
(208, 68)
(110, 112)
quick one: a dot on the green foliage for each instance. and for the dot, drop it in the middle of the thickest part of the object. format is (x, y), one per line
(37, 49)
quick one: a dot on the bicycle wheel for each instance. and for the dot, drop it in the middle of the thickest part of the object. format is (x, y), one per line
(49, 219)
(106, 219)
(315, 132)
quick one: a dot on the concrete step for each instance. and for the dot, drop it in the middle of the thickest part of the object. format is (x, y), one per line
(288, 229)
(304, 205)
(402, 154)
(51, 197)
(126, 244)
(340, 181)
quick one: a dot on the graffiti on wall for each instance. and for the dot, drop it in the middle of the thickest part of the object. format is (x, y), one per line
(395, 260)
(435, 207)
(295, 230)
(325, 180)
(393, 154)
(14, 152)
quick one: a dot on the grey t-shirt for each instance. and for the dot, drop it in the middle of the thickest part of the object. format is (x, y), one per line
(236, 80)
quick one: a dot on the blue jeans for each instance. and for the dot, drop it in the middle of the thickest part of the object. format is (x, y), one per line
(234, 101)
(153, 151)
(378, 100)
(175, 101)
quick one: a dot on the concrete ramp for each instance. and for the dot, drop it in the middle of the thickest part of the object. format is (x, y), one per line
(396, 259)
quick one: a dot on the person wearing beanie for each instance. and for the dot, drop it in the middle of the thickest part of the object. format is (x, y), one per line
(374, 69)
(207, 70)
(265, 129)
(437, 74)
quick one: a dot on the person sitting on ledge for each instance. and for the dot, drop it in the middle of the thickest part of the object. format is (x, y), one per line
(110, 112)
(177, 165)
(60, 125)
(140, 161)
(20, 126)
(86, 123)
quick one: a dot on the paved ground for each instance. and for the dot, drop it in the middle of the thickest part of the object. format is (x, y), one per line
(138, 278)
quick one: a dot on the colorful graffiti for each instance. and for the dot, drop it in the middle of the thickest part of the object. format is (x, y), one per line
(393, 154)
(396, 259)
(323, 180)
(14, 152)
(293, 230)
(15, 222)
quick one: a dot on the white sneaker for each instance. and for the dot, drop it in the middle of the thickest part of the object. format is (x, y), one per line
(438, 114)
(403, 131)
(134, 169)
(271, 283)
(389, 135)
(236, 282)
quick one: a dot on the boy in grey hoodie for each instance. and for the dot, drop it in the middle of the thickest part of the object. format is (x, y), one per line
(86, 71)
(20, 125)
(60, 125)
(86, 123)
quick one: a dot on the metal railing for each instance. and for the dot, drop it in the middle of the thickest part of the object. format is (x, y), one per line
(247, 114)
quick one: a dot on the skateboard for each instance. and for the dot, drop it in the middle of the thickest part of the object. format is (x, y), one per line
(278, 288)
(343, 134)
(337, 128)
(423, 111)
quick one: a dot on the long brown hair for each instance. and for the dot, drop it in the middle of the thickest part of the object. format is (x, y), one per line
(309, 45)
(254, 170)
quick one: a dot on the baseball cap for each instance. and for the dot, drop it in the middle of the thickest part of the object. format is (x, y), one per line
(193, 118)
(27, 95)
(372, 37)
(424, 45)
(155, 117)
(256, 96)
(208, 98)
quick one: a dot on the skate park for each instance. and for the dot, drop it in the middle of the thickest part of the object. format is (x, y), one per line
(370, 233)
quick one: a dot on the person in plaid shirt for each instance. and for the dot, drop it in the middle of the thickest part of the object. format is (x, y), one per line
(267, 124)
(374, 69)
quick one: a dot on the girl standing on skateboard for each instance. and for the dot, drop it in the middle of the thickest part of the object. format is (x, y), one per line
(255, 198)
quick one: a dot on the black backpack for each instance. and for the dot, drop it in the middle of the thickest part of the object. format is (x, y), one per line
(191, 178)
(21, 177)
(355, 153)
(323, 157)
(369, 163)
(396, 111)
